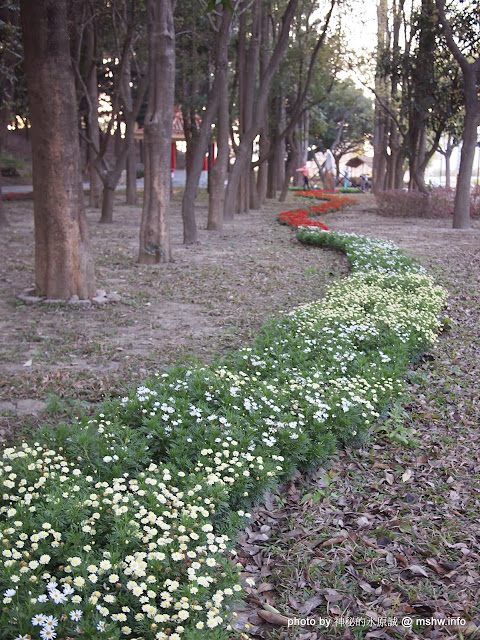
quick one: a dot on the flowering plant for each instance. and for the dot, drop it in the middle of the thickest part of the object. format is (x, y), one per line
(17, 196)
(120, 526)
(301, 217)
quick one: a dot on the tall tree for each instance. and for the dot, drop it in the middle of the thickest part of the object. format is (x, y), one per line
(218, 172)
(381, 97)
(10, 57)
(117, 21)
(343, 121)
(417, 95)
(221, 23)
(464, 46)
(155, 245)
(243, 153)
(63, 264)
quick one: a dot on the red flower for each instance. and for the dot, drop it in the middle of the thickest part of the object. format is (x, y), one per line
(300, 217)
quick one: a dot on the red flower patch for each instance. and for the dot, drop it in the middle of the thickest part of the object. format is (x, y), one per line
(17, 196)
(300, 217)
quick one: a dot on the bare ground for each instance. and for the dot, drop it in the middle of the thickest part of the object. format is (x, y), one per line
(212, 299)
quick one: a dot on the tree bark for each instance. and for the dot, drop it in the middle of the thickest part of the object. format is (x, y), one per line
(3, 127)
(379, 136)
(190, 233)
(244, 149)
(155, 245)
(131, 159)
(276, 166)
(470, 71)
(131, 197)
(292, 163)
(10, 19)
(461, 211)
(218, 172)
(63, 265)
(93, 131)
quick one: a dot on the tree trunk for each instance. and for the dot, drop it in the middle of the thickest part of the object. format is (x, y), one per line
(131, 197)
(131, 159)
(155, 243)
(461, 210)
(244, 149)
(3, 128)
(217, 94)
(292, 163)
(108, 201)
(218, 172)
(110, 178)
(276, 166)
(379, 134)
(3, 216)
(470, 70)
(93, 130)
(262, 176)
(448, 157)
(63, 266)
(8, 61)
(264, 143)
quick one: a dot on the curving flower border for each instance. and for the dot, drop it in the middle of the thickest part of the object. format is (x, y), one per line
(300, 217)
(155, 483)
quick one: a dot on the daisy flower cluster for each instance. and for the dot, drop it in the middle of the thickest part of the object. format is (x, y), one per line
(121, 525)
(136, 556)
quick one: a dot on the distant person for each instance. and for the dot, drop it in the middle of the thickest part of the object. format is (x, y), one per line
(305, 171)
(346, 182)
(329, 179)
(365, 183)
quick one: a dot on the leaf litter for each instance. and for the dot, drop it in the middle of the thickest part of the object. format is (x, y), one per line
(391, 531)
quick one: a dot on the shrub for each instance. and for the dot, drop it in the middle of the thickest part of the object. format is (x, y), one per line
(438, 204)
(350, 190)
(475, 201)
(441, 202)
(398, 202)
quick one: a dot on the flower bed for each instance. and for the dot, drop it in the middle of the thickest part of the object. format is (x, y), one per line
(119, 526)
(17, 196)
(300, 217)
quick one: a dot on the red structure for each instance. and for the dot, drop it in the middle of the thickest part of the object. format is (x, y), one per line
(178, 135)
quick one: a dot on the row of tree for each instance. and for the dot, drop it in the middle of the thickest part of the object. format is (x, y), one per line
(245, 66)
(427, 90)
(262, 76)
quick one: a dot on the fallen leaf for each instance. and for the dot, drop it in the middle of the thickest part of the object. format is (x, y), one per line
(407, 475)
(336, 540)
(417, 570)
(273, 618)
(311, 604)
(266, 586)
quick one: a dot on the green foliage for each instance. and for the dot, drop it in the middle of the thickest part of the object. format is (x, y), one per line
(124, 519)
(345, 116)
